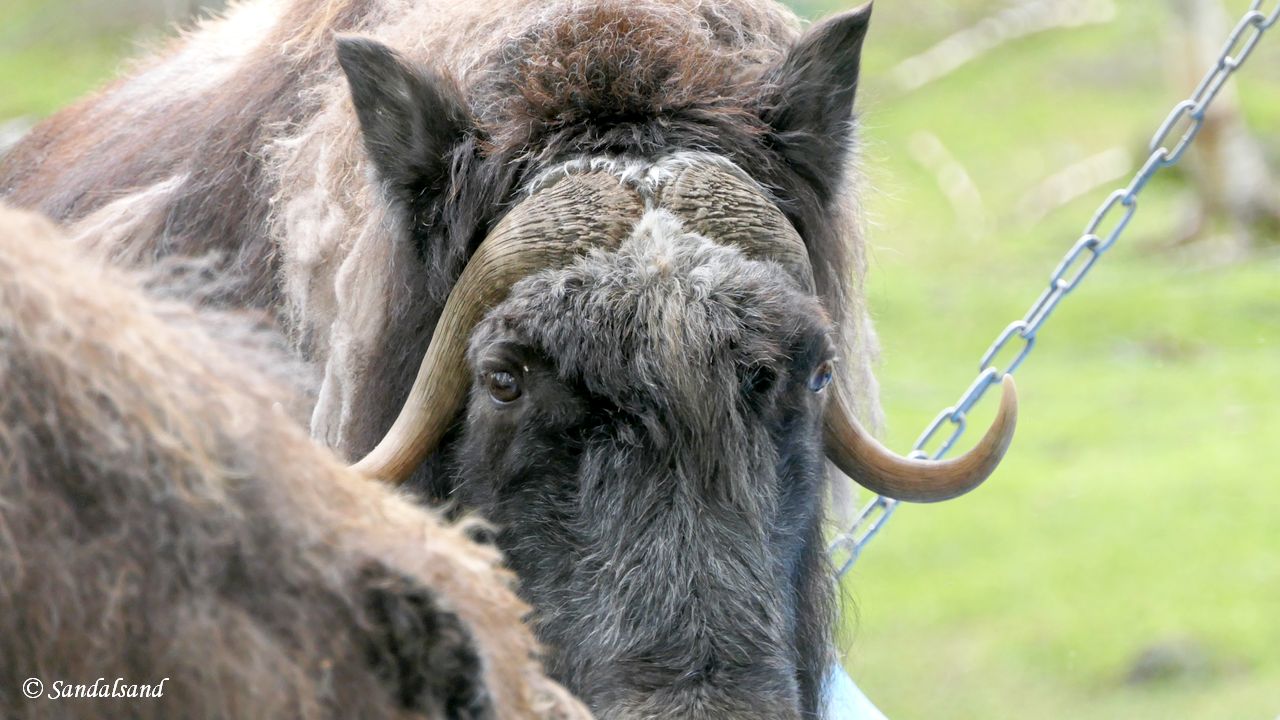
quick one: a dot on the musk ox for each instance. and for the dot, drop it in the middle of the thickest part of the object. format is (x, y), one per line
(588, 267)
(161, 517)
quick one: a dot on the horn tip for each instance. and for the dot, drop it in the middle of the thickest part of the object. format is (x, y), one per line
(1008, 408)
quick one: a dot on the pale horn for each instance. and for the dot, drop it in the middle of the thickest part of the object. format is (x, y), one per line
(548, 229)
(721, 202)
(883, 472)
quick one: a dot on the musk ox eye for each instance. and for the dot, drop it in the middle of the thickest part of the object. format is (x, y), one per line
(503, 386)
(821, 377)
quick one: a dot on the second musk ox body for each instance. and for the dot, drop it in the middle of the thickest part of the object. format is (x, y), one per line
(164, 523)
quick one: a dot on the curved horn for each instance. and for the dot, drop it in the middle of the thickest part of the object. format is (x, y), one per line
(883, 472)
(550, 228)
(717, 200)
(722, 202)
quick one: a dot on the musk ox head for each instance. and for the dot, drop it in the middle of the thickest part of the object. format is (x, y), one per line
(645, 369)
(640, 383)
(644, 426)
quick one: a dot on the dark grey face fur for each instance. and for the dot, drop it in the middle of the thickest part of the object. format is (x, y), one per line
(644, 429)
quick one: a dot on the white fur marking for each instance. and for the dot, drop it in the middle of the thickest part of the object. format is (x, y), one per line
(645, 176)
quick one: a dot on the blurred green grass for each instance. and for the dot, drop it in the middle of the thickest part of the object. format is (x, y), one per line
(1138, 506)
(53, 51)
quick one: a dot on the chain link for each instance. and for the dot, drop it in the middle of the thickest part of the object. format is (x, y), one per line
(1106, 227)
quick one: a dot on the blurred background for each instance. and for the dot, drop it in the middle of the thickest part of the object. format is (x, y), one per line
(1125, 560)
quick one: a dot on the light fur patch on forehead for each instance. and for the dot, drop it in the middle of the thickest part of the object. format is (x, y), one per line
(643, 175)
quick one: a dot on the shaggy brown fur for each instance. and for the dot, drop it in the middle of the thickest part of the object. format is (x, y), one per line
(159, 519)
(240, 139)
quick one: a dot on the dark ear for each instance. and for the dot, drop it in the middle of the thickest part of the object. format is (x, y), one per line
(423, 653)
(808, 100)
(411, 117)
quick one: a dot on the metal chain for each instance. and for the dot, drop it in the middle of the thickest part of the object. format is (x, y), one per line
(1102, 232)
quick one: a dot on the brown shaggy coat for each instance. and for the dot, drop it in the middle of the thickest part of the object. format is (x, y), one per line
(240, 140)
(162, 517)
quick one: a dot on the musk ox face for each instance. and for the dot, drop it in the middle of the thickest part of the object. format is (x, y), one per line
(644, 427)
(640, 340)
